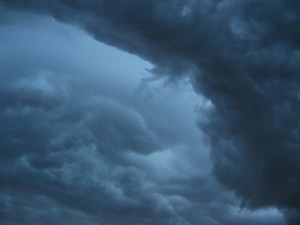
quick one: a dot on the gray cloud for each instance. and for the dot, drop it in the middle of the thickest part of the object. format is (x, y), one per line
(83, 143)
(242, 56)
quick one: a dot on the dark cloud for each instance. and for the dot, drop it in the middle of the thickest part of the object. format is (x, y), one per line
(85, 143)
(241, 55)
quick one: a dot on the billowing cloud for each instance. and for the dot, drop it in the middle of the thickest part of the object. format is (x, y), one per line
(241, 57)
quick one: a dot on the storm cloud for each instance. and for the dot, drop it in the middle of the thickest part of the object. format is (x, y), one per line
(59, 123)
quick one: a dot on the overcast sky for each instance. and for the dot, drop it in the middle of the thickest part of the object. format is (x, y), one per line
(149, 112)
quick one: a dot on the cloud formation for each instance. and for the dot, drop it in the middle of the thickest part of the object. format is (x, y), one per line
(240, 55)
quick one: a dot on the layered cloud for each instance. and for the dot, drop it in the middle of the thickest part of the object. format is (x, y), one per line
(242, 60)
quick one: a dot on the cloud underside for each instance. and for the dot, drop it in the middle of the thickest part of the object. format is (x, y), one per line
(81, 151)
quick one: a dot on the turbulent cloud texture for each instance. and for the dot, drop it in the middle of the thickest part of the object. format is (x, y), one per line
(242, 56)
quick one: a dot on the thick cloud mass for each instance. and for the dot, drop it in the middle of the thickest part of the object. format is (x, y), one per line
(243, 56)
(86, 142)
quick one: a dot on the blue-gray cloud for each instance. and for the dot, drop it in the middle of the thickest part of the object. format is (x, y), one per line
(241, 55)
(85, 143)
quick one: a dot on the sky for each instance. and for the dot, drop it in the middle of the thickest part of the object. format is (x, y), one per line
(149, 112)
